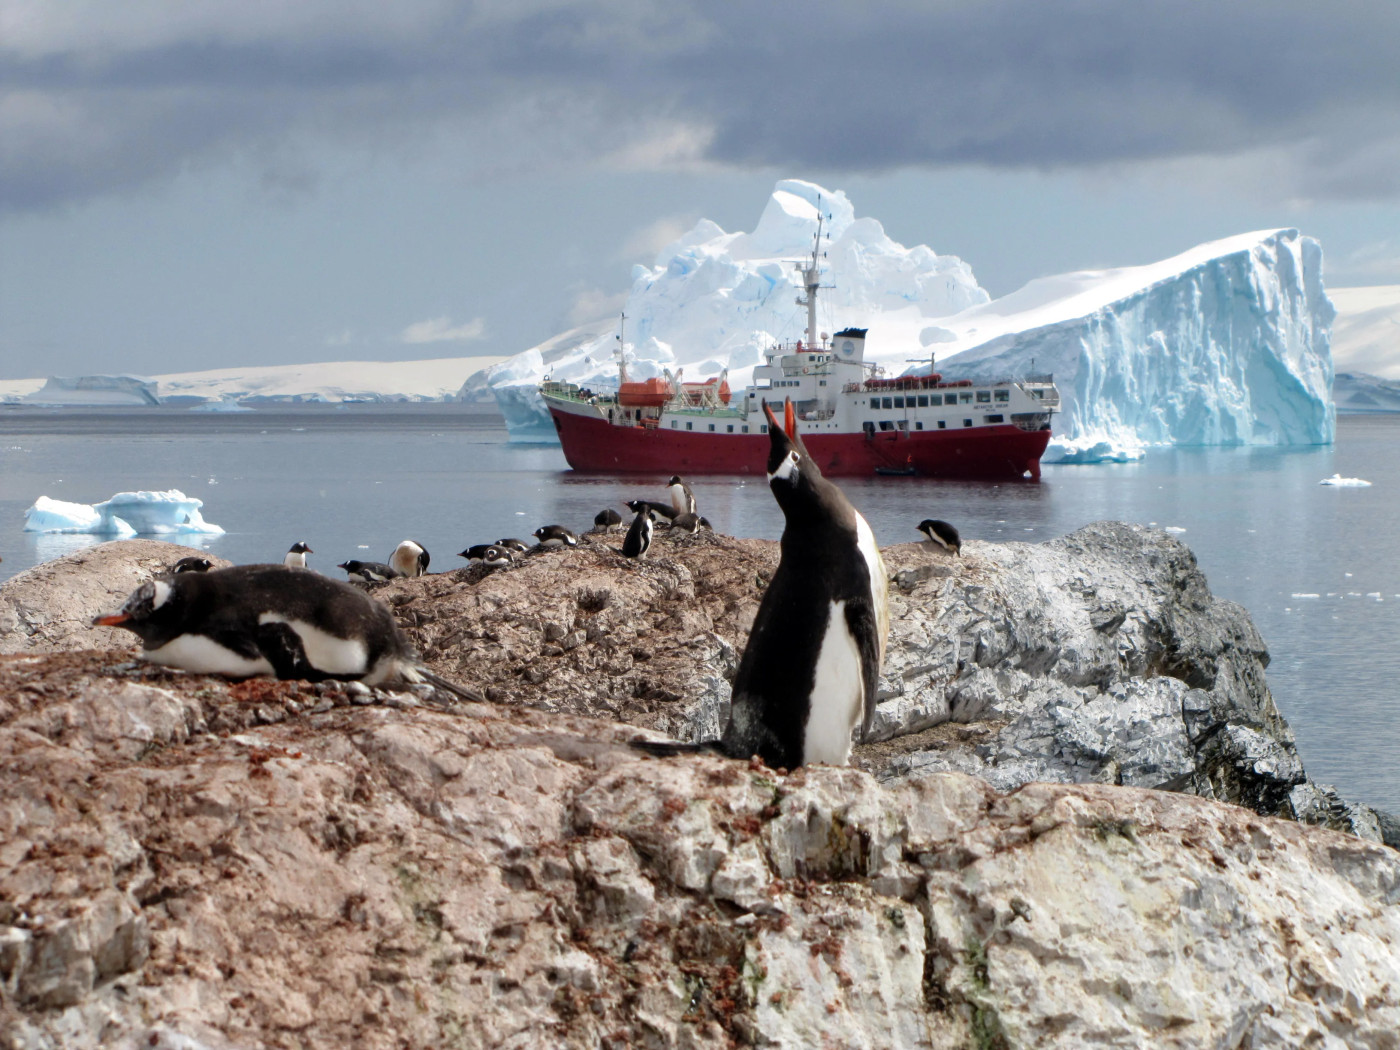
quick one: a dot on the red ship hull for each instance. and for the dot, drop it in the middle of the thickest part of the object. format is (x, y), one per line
(984, 452)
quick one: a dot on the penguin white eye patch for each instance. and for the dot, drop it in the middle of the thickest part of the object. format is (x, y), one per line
(787, 468)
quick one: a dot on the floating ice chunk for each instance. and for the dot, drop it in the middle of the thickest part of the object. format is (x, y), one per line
(1173, 528)
(226, 404)
(1345, 483)
(56, 515)
(1092, 449)
(1305, 596)
(166, 513)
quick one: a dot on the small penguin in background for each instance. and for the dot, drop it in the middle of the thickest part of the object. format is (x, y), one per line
(476, 552)
(662, 512)
(941, 533)
(369, 571)
(295, 558)
(498, 557)
(269, 620)
(691, 523)
(607, 519)
(638, 539)
(810, 669)
(555, 536)
(518, 546)
(409, 559)
(682, 499)
(193, 563)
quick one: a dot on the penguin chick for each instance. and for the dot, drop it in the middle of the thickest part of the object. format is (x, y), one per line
(498, 557)
(682, 499)
(809, 672)
(519, 546)
(476, 552)
(409, 559)
(269, 620)
(638, 539)
(555, 536)
(607, 519)
(295, 558)
(691, 523)
(193, 563)
(369, 571)
(941, 533)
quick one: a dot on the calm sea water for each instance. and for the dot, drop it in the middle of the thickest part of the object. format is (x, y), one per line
(1317, 567)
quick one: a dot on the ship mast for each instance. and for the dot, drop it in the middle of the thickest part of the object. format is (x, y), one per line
(812, 281)
(621, 348)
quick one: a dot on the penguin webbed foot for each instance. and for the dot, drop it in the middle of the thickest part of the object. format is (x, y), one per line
(671, 748)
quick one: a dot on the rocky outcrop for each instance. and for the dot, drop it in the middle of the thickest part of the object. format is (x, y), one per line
(186, 862)
(50, 607)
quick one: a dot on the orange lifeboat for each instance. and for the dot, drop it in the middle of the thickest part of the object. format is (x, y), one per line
(651, 393)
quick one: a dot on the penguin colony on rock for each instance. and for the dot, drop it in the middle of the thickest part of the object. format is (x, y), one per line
(806, 681)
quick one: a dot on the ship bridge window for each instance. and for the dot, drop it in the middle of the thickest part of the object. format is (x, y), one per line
(923, 401)
(998, 418)
(1003, 395)
(965, 397)
(950, 399)
(899, 402)
(887, 403)
(984, 397)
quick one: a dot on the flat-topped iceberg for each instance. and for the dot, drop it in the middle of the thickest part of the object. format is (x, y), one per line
(169, 513)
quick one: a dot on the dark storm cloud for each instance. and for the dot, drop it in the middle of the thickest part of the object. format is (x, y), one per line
(861, 87)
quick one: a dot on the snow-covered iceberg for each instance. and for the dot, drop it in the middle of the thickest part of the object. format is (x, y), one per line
(1225, 344)
(63, 391)
(168, 513)
(716, 300)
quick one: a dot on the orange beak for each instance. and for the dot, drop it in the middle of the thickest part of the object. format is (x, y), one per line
(789, 418)
(115, 619)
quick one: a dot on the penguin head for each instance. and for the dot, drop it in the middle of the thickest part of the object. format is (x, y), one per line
(791, 471)
(675, 480)
(300, 547)
(153, 611)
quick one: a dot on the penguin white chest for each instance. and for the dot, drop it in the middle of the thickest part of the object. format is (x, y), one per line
(838, 694)
(202, 655)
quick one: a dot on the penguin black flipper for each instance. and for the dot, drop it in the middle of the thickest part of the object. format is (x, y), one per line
(284, 650)
(864, 625)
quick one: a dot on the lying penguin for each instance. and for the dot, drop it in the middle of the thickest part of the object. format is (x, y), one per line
(409, 559)
(270, 620)
(809, 672)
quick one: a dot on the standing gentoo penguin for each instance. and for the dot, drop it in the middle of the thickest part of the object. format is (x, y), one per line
(809, 671)
(409, 559)
(941, 533)
(555, 536)
(295, 558)
(682, 499)
(271, 620)
(638, 540)
(369, 571)
(607, 519)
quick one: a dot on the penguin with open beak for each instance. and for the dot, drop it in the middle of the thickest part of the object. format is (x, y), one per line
(269, 620)
(810, 670)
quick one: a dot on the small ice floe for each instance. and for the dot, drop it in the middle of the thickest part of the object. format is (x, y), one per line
(1346, 483)
(1300, 595)
(1376, 595)
(125, 514)
(226, 404)
(1173, 528)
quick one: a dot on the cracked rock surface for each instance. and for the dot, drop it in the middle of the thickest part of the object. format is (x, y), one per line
(269, 864)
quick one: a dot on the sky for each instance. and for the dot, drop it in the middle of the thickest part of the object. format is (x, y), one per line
(191, 184)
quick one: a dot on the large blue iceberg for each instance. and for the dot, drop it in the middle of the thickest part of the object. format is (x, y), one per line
(169, 513)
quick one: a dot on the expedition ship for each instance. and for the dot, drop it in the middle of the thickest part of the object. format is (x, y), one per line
(852, 420)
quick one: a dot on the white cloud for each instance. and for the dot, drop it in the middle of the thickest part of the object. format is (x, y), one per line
(650, 239)
(442, 330)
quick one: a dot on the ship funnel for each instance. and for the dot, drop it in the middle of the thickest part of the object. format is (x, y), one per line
(849, 344)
